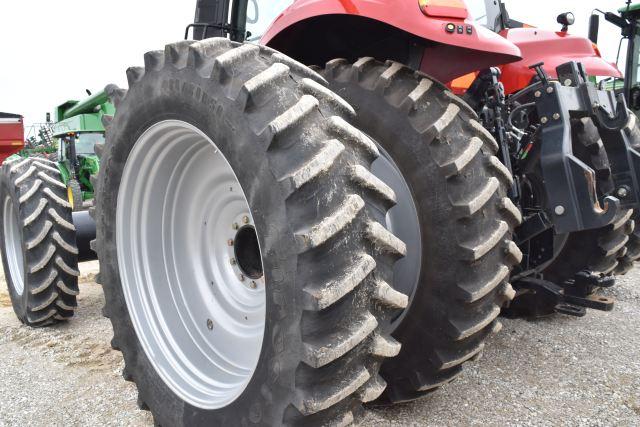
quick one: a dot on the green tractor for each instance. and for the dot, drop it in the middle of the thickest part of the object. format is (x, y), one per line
(46, 190)
(77, 130)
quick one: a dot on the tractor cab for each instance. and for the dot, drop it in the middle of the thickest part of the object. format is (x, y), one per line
(488, 13)
(260, 15)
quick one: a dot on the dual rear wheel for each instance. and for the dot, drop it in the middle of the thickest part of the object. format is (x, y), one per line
(246, 235)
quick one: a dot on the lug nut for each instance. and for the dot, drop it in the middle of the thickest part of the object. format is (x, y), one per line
(245, 219)
(622, 192)
(241, 277)
(568, 82)
(209, 324)
(538, 94)
(253, 285)
(543, 120)
(550, 89)
(232, 261)
(559, 210)
(556, 116)
(235, 226)
(230, 242)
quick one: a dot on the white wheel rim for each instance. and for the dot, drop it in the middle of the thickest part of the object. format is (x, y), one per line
(179, 206)
(13, 246)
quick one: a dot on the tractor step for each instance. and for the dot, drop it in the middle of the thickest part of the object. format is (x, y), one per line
(574, 297)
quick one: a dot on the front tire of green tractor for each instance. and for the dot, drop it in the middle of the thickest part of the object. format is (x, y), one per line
(453, 213)
(74, 195)
(249, 280)
(39, 252)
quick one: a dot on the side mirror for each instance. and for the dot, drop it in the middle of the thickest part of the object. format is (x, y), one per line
(566, 19)
(594, 27)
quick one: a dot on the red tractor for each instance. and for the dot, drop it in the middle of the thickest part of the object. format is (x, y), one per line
(279, 244)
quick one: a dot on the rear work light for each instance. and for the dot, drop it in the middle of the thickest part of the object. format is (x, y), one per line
(444, 8)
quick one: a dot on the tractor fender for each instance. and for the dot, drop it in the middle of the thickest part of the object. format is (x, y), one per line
(554, 49)
(445, 55)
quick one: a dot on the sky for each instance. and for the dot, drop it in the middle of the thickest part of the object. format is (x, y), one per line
(51, 51)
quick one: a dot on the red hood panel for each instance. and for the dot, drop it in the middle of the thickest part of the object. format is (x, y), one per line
(552, 48)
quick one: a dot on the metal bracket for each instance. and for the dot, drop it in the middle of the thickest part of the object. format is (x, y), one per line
(563, 299)
(572, 201)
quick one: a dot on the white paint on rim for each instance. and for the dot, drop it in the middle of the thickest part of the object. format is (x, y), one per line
(200, 326)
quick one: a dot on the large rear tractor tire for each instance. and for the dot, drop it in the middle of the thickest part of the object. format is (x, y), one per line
(249, 282)
(453, 213)
(632, 252)
(39, 252)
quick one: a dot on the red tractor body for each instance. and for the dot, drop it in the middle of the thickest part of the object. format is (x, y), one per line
(454, 44)
(11, 135)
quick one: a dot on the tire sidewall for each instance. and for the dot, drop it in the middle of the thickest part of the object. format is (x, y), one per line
(186, 92)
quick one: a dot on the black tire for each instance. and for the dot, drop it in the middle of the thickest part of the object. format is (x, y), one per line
(632, 252)
(459, 189)
(592, 250)
(48, 252)
(74, 195)
(318, 364)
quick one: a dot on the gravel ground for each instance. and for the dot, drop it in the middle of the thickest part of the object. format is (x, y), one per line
(558, 371)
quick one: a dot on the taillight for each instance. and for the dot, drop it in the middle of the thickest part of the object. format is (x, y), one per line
(444, 8)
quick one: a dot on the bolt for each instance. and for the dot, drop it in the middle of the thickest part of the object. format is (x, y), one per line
(538, 94)
(622, 192)
(550, 89)
(596, 105)
(559, 210)
(543, 120)
(241, 277)
(210, 324)
(235, 226)
(253, 285)
(568, 82)
(556, 116)
(232, 261)
(230, 242)
(245, 219)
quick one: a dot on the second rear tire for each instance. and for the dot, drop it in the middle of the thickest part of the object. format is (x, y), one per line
(461, 247)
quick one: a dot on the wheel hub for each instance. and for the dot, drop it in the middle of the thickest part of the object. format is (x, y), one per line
(247, 252)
